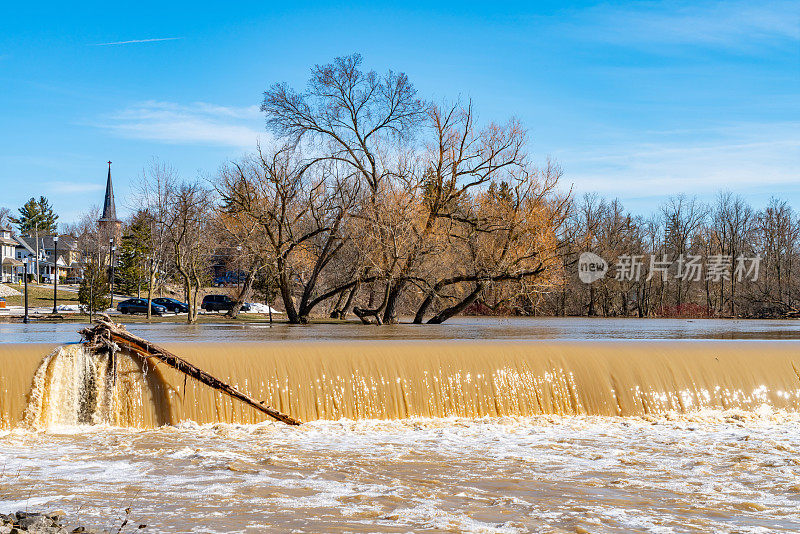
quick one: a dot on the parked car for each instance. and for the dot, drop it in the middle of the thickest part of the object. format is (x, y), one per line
(173, 305)
(229, 278)
(140, 306)
(73, 280)
(220, 303)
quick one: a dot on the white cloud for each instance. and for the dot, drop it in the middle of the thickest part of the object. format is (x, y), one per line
(197, 123)
(737, 24)
(741, 158)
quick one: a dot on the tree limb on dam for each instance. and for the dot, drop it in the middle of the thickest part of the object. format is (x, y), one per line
(110, 335)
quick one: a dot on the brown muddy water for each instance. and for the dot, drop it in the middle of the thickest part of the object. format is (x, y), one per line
(515, 427)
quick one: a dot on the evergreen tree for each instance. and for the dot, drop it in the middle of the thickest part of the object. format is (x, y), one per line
(131, 272)
(93, 291)
(36, 217)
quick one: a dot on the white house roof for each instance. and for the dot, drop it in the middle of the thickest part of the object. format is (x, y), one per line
(23, 242)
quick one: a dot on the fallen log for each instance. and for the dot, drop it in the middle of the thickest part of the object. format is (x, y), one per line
(109, 334)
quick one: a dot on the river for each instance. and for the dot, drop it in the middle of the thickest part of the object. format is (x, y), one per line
(483, 425)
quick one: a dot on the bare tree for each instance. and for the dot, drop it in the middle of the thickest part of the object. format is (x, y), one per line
(683, 218)
(355, 114)
(300, 210)
(156, 189)
(733, 222)
(190, 240)
(5, 217)
(777, 238)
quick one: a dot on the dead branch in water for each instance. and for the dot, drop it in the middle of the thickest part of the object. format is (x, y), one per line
(109, 334)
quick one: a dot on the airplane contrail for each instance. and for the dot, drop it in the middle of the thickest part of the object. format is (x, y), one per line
(139, 41)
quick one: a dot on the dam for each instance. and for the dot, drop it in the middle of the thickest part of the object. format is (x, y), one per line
(43, 385)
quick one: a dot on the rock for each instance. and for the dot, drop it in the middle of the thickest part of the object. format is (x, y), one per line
(35, 522)
(56, 515)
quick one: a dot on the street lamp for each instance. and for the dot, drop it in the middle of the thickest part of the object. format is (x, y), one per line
(111, 249)
(55, 274)
(25, 319)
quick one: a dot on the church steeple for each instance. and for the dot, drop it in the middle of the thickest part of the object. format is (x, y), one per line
(109, 209)
(110, 226)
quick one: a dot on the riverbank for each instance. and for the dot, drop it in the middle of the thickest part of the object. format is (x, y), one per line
(203, 318)
(57, 522)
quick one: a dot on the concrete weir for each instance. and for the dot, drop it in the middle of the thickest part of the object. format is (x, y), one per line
(44, 385)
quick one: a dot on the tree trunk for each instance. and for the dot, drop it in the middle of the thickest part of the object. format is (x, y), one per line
(187, 294)
(243, 294)
(365, 314)
(423, 307)
(349, 302)
(286, 295)
(390, 311)
(193, 307)
(447, 313)
(336, 311)
(150, 283)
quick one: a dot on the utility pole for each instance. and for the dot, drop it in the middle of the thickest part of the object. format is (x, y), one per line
(26, 319)
(36, 233)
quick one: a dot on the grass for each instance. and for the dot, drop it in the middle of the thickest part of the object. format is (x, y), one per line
(40, 296)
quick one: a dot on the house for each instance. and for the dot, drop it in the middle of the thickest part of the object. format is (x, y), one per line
(8, 260)
(68, 259)
(26, 253)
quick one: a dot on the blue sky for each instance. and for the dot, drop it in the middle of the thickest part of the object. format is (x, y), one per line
(635, 100)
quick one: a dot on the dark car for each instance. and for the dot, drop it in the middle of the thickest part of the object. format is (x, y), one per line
(229, 278)
(73, 280)
(220, 303)
(140, 306)
(172, 305)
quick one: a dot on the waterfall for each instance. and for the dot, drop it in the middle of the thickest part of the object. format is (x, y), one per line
(71, 386)
(397, 379)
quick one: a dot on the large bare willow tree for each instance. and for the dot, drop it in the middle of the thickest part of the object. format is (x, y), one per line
(415, 235)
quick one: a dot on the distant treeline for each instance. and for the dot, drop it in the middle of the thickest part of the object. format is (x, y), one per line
(724, 259)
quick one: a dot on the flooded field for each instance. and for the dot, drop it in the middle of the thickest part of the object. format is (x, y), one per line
(481, 426)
